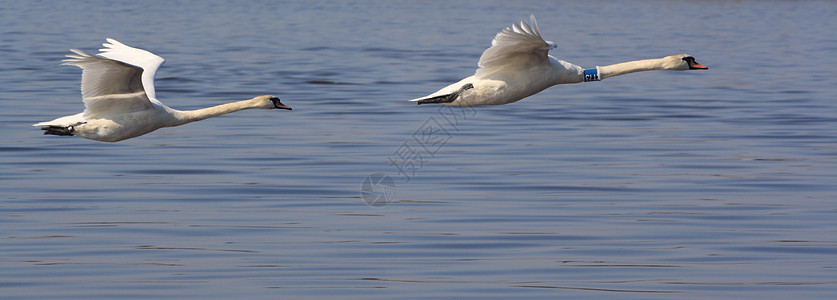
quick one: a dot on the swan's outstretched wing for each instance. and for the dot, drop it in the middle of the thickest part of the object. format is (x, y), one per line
(517, 47)
(116, 83)
(145, 60)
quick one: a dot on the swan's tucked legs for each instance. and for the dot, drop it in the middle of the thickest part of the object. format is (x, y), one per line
(58, 130)
(446, 98)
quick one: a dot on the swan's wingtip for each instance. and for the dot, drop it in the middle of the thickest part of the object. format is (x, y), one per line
(77, 56)
(111, 42)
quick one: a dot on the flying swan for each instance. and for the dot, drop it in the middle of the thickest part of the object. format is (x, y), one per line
(517, 65)
(117, 88)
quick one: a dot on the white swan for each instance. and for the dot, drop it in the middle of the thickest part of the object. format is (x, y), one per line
(119, 100)
(517, 65)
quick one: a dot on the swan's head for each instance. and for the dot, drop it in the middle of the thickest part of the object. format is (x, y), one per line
(270, 102)
(682, 62)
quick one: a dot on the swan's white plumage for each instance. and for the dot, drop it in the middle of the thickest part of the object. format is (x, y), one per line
(518, 65)
(117, 89)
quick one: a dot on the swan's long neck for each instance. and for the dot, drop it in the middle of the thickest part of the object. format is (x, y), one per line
(188, 116)
(631, 67)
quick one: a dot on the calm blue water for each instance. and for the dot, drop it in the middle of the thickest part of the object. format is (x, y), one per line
(657, 185)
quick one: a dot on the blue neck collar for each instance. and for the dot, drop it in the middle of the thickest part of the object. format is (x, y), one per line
(591, 75)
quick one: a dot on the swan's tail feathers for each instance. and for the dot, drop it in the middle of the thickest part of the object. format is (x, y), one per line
(58, 130)
(448, 98)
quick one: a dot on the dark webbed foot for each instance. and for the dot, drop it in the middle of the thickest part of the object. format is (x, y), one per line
(58, 130)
